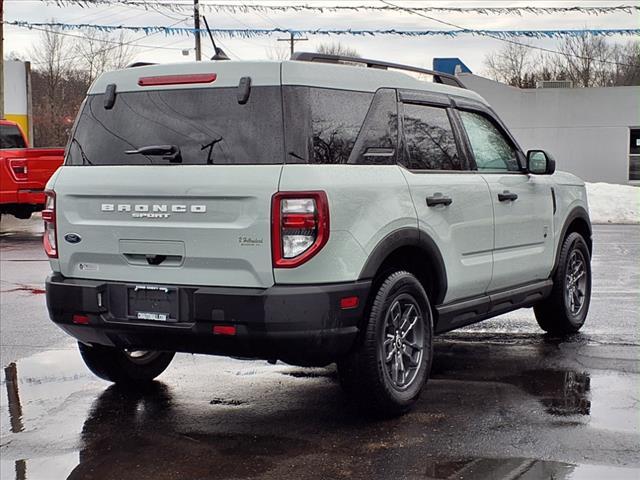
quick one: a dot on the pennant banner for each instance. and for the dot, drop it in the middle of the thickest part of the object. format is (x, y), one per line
(256, 32)
(247, 8)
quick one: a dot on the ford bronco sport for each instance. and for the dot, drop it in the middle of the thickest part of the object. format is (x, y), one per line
(304, 211)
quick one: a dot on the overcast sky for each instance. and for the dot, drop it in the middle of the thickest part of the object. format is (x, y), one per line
(418, 51)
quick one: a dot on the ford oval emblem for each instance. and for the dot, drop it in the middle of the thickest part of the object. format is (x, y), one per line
(72, 238)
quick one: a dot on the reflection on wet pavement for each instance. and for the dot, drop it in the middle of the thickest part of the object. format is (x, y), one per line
(496, 408)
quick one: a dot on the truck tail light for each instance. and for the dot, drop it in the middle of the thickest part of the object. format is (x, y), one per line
(19, 168)
(50, 240)
(299, 227)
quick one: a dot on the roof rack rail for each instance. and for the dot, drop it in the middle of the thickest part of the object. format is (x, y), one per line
(438, 77)
(140, 64)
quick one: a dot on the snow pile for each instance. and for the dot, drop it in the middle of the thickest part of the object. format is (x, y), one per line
(610, 203)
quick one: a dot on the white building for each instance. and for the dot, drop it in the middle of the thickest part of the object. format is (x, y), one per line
(592, 132)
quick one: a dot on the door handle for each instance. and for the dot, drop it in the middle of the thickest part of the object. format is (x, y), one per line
(507, 196)
(438, 200)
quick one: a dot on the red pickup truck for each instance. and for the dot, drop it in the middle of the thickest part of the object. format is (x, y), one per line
(24, 171)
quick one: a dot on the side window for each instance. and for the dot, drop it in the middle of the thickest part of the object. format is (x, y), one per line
(491, 149)
(10, 137)
(376, 144)
(336, 119)
(429, 140)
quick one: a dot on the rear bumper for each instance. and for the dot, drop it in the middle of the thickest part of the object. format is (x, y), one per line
(301, 325)
(31, 196)
(23, 196)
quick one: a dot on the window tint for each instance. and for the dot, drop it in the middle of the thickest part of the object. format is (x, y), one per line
(10, 137)
(491, 149)
(207, 126)
(376, 144)
(336, 119)
(429, 140)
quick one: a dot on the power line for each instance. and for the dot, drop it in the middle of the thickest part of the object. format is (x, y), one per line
(117, 43)
(514, 42)
(253, 32)
(106, 49)
(244, 8)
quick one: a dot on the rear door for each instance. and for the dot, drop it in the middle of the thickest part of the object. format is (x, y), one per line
(453, 204)
(522, 204)
(173, 185)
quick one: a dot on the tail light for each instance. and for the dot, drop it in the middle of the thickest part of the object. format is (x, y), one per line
(299, 227)
(19, 168)
(50, 240)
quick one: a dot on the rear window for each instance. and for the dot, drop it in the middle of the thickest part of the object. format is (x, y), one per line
(10, 137)
(188, 126)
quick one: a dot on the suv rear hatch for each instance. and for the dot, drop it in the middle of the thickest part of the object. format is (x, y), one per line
(169, 178)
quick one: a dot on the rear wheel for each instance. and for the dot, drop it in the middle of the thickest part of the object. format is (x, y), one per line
(124, 366)
(387, 370)
(565, 310)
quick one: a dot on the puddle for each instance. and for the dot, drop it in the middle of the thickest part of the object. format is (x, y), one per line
(602, 397)
(58, 421)
(56, 467)
(562, 392)
(521, 469)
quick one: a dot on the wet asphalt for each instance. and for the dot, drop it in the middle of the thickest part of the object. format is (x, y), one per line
(504, 401)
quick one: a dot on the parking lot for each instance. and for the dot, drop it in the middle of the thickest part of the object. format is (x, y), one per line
(504, 401)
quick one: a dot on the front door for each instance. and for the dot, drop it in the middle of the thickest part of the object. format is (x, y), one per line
(522, 205)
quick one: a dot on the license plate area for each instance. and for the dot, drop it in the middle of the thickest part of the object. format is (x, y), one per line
(152, 303)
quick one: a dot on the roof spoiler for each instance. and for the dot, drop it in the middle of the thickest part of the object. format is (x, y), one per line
(438, 77)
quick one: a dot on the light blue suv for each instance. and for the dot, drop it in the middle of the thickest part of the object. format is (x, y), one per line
(305, 211)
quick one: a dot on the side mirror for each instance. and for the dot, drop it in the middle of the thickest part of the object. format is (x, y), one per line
(540, 162)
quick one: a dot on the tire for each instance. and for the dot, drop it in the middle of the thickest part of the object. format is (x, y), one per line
(122, 367)
(565, 310)
(377, 385)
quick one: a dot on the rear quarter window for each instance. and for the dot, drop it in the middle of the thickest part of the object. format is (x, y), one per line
(323, 124)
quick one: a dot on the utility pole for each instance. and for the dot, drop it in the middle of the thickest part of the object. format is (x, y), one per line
(292, 40)
(1, 59)
(196, 25)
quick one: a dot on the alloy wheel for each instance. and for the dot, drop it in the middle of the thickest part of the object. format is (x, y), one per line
(403, 341)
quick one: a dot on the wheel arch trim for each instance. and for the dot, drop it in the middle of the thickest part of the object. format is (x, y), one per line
(576, 213)
(407, 237)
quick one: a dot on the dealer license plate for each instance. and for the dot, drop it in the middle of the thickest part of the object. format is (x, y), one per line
(153, 303)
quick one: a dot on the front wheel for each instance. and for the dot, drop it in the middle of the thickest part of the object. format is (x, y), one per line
(565, 310)
(387, 370)
(124, 366)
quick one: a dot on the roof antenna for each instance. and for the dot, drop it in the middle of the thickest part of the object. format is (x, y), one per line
(219, 53)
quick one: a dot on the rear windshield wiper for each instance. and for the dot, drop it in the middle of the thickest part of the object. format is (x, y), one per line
(210, 146)
(85, 159)
(168, 152)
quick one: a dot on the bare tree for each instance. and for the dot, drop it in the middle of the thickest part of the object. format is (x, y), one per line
(337, 48)
(582, 60)
(55, 97)
(511, 64)
(102, 51)
(588, 61)
(277, 53)
(627, 63)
